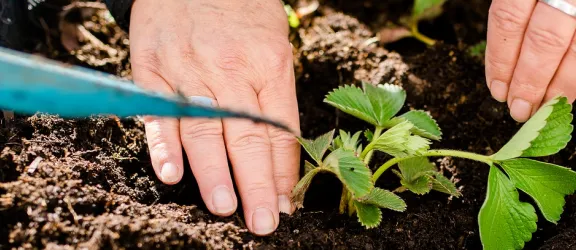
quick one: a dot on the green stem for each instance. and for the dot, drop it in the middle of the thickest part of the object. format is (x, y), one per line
(368, 151)
(431, 153)
(416, 33)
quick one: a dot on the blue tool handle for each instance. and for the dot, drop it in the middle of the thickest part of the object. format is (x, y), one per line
(30, 84)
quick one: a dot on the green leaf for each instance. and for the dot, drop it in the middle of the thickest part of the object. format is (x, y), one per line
(384, 199)
(301, 187)
(398, 141)
(369, 215)
(351, 100)
(426, 9)
(308, 167)
(349, 142)
(546, 183)
(442, 184)
(424, 124)
(351, 171)
(368, 134)
(420, 185)
(317, 148)
(375, 104)
(505, 221)
(386, 99)
(417, 145)
(416, 167)
(546, 133)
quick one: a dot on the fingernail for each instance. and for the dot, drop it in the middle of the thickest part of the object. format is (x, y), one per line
(169, 173)
(263, 221)
(284, 204)
(520, 110)
(222, 200)
(499, 90)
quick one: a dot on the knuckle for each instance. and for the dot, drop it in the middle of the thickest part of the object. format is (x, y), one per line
(232, 60)
(147, 60)
(528, 89)
(279, 60)
(159, 150)
(286, 178)
(283, 139)
(498, 64)
(258, 188)
(508, 20)
(250, 142)
(572, 49)
(209, 170)
(202, 130)
(545, 40)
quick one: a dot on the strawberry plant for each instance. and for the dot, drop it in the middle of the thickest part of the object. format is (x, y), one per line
(505, 222)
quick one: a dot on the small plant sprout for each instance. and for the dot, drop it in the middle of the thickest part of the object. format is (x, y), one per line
(293, 18)
(478, 50)
(421, 10)
(505, 222)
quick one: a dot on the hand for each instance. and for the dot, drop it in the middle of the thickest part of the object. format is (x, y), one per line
(530, 54)
(238, 53)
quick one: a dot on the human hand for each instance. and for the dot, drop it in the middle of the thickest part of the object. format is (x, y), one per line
(238, 53)
(530, 54)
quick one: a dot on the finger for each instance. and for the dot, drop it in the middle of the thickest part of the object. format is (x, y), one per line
(204, 145)
(507, 22)
(564, 82)
(278, 101)
(162, 134)
(249, 151)
(546, 41)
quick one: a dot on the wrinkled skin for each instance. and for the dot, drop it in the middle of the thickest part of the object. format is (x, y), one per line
(530, 55)
(238, 53)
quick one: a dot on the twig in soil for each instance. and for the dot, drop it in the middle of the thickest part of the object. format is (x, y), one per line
(368, 42)
(94, 241)
(79, 153)
(34, 165)
(74, 215)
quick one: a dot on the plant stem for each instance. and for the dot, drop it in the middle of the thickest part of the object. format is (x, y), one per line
(416, 33)
(368, 151)
(441, 152)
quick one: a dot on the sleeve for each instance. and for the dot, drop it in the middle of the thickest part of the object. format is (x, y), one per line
(120, 10)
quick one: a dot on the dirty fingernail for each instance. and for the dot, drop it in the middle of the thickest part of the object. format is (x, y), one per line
(284, 204)
(263, 221)
(169, 173)
(499, 90)
(520, 110)
(222, 200)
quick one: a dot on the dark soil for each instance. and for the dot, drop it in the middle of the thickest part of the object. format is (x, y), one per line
(89, 183)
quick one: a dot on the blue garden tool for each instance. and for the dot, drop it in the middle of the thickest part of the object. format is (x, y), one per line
(32, 84)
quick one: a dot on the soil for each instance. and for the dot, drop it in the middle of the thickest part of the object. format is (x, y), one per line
(89, 183)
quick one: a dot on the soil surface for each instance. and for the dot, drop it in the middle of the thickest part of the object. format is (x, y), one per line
(89, 183)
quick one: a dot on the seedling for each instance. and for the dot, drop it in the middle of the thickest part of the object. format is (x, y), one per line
(505, 222)
(421, 10)
(478, 50)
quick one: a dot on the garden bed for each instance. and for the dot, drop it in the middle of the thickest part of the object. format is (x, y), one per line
(74, 183)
